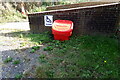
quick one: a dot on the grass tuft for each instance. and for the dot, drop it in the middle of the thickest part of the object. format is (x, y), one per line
(7, 60)
(16, 62)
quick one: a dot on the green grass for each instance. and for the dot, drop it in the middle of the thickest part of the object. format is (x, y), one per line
(81, 56)
(42, 58)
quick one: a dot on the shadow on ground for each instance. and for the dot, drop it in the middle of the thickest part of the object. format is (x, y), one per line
(23, 62)
(44, 37)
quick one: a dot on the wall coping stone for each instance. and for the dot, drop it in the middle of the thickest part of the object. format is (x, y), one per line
(86, 7)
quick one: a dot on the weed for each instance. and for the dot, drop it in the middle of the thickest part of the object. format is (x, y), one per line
(9, 59)
(18, 76)
(35, 47)
(16, 62)
(39, 42)
(32, 50)
(23, 44)
(49, 48)
(42, 56)
(21, 35)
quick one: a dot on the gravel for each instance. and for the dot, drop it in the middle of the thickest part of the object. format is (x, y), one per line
(16, 25)
(10, 47)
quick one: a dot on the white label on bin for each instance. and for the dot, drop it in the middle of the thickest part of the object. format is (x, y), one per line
(48, 20)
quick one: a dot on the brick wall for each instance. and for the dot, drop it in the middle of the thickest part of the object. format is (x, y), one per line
(87, 20)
